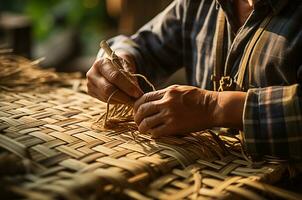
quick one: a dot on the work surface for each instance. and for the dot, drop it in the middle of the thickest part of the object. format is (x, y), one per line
(52, 150)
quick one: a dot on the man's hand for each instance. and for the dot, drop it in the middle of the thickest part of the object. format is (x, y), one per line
(184, 109)
(174, 110)
(104, 79)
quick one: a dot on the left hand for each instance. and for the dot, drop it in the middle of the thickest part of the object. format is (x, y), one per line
(175, 110)
(104, 79)
(184, 109)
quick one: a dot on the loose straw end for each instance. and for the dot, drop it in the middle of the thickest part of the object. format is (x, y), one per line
(105, 46)
(103, 43)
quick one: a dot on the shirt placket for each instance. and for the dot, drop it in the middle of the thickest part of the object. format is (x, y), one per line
(240, 39)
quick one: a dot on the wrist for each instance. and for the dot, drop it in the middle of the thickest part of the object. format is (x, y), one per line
(228, 110)
(208, 103)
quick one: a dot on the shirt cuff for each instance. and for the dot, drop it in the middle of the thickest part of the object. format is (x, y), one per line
(272, 122)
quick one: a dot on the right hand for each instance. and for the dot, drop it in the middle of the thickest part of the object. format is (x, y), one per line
(104, 79)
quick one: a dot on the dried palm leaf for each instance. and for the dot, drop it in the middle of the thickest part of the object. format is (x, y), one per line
(20, 74)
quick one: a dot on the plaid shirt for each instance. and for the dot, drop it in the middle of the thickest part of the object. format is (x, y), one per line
(183, 36)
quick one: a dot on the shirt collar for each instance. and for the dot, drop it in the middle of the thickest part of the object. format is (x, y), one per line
(275, 5)
(261, 7)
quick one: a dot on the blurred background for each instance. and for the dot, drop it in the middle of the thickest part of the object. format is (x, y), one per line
(67, 32)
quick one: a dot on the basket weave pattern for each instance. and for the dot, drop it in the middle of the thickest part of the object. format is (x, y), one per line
(60, 154)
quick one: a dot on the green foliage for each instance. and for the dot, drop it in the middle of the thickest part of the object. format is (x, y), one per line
(50, 15)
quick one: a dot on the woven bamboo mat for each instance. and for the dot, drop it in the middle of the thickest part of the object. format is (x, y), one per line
(50, 150)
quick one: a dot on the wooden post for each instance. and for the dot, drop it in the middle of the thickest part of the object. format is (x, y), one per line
(17, 33)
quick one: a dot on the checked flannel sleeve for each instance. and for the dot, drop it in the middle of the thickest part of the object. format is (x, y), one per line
(273, 122)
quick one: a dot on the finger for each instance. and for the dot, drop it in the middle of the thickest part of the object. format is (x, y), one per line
(92, 78)
(150, 96)
(92, 72)
(105, 89)
(159, 131)
(91, 88)
(150, 122)
(115, 77)
(145, 110)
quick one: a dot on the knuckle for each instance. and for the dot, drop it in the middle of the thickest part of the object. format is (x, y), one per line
(173, 86)
(89, 74)
(149, 96)
(173, 90)
(157, 94)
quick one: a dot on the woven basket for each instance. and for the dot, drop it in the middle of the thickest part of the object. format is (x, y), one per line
(50, 149)
(59, 154)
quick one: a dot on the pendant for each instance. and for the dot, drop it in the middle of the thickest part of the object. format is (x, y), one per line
(225, 84)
